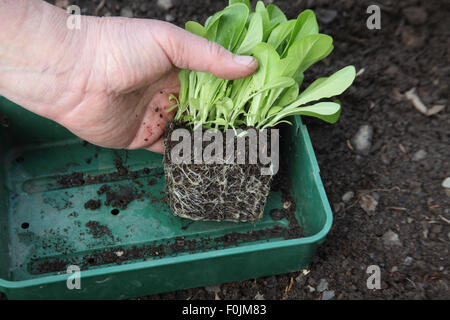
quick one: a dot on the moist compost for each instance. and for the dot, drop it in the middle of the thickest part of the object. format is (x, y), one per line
(214, 192)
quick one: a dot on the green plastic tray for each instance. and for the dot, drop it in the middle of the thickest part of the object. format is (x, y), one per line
(43, 222)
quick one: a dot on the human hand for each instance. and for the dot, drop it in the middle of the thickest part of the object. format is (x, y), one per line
(109, 83)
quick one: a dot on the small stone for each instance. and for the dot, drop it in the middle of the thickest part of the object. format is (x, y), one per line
(326, 15)
(348, 196)
(169, 18)
(446, 183)
(165, 4)
(415, 15)
(419, 155)
(409, 220)
(368, 203)
(213, 289)
(362, 141)
(126, 12)
(259, 296)
(394, 269)
(328, 295)
(322, 286)
(409, 260)
(311, 289)
(390, 238)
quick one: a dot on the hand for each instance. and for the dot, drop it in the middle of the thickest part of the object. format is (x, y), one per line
(109, 82)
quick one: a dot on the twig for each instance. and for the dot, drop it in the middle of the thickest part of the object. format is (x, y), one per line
(444, 219)
(397, 208)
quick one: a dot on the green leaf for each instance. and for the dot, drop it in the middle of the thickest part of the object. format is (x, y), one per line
(254, 35)
(195, 28)
(274, 110)
(284, 50)
(288, 96)
(246, 2)
(282, 82)
(268, 60)
(230, 25)
(328, 87)
(280, 35)
(310, 49)
(261, 9)
(306, 24)
(326, 111)
(276, 16)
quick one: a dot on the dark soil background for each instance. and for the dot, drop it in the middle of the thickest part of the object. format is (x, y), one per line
(390, 208)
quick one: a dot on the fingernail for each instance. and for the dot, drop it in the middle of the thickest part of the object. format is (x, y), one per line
(244, 60)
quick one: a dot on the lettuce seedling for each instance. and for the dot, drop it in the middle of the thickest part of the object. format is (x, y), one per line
(284, 48)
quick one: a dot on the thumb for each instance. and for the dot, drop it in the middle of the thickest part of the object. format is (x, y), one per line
(188, 51)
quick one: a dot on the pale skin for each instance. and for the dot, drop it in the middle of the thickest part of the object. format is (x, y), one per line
(108, 82)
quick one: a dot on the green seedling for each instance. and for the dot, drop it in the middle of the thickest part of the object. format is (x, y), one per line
(284, 48)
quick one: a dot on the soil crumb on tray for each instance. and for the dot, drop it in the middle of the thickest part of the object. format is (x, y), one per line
(98, 230)
(92, 204)
(4, 120)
